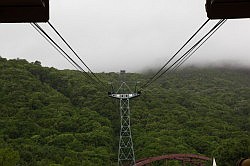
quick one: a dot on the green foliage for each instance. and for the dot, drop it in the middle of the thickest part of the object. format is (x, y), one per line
(8, 157)
(41, 123)
(59, 118)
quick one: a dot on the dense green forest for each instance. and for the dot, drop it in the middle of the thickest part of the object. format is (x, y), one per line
(51, 117)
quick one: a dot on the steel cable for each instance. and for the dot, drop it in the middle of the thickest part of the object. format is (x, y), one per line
(57, 32)
(184, 55)
(188, 56)
(176, 53)
(69, 58)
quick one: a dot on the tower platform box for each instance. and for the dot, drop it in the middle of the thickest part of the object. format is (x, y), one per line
(18, 11)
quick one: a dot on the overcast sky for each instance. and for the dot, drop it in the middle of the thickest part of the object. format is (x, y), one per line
(110, 35)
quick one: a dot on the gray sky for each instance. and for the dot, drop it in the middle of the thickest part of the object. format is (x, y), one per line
(110, 35)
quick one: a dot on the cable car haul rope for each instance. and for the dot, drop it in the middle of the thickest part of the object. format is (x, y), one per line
(186, 55)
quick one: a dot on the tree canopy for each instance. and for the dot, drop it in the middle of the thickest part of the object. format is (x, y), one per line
(59, 118)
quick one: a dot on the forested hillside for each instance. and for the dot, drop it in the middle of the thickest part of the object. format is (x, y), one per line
(51, 117)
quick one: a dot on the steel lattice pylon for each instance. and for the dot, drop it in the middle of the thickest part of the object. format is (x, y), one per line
(126, 156)
(126, 150)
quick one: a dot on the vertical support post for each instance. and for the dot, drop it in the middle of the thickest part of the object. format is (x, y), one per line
(126, 154)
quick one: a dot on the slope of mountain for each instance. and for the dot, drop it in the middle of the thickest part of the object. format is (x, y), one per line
(58, 117)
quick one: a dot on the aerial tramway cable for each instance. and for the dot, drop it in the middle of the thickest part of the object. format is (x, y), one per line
(184, 55)
(156, 76)
(192, 48)
(176, 53)
(191, 53)
(56, 31)
(69, 58)
(53, 45)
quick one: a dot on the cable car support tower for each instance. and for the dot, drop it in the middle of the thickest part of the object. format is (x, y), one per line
(124, 94)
